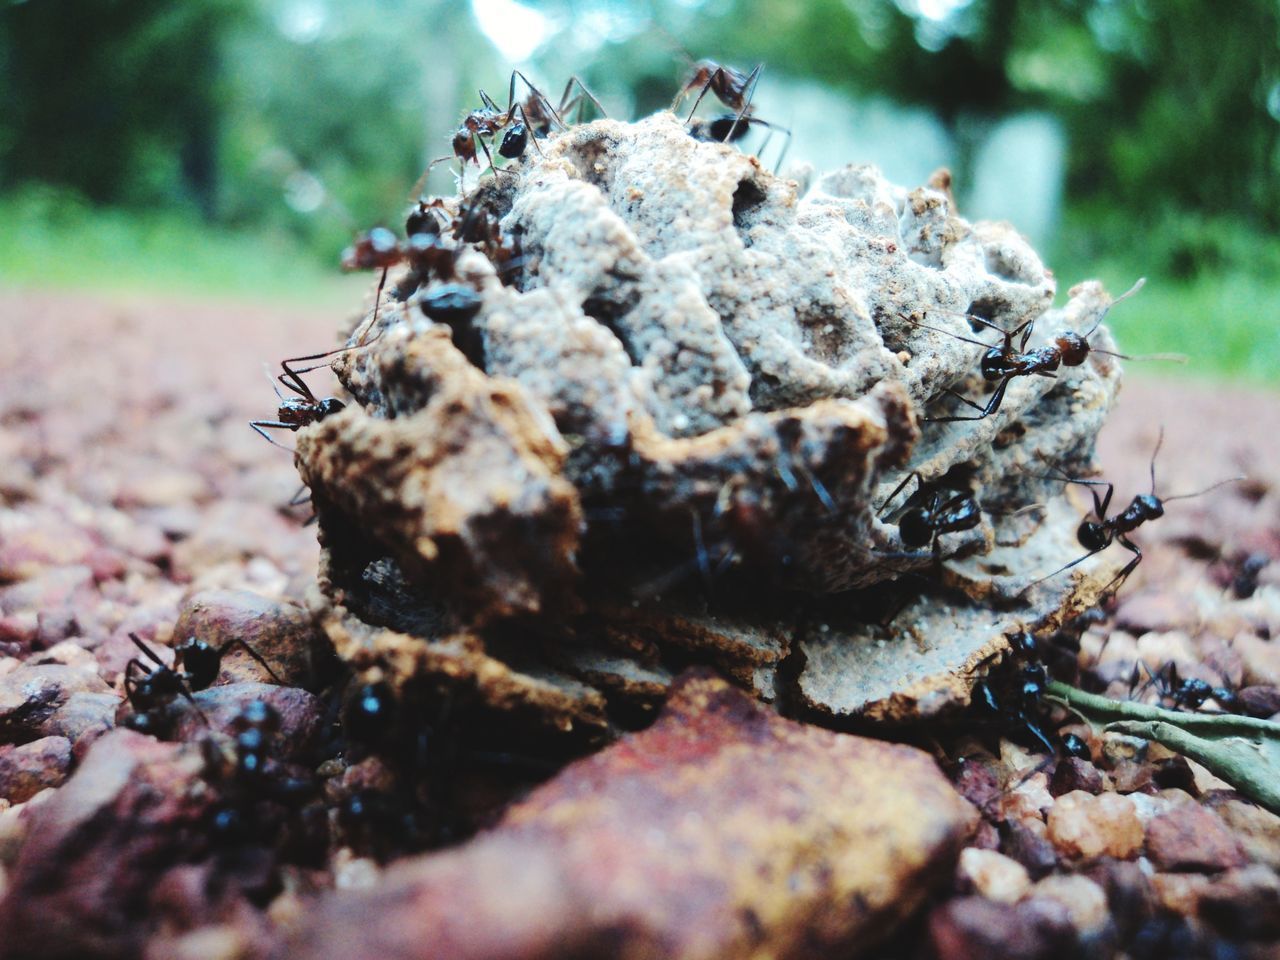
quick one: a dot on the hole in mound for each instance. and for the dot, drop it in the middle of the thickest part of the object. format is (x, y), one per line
(747, 200)
(608, 308)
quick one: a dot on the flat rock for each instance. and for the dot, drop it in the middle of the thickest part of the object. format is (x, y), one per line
(721, 830)
(30, 694)
(283, 634)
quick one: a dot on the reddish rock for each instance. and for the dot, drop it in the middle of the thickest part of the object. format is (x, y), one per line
(972, 928)
(1131, 776)
(1029, 846)
(1073, 773)
(281, 633)
(1085, 827)
(27, 769)
(31, 694)
(1260, 701)
(722, 830)
(84, 874)
(82, 719)
(1255, 829)
(1156, 611)
(1082, 900)
(1243, 904)
(978, 781)
(1192, 838)
(299, 711)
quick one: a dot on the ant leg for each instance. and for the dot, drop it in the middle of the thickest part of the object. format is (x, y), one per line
(1118, 580)
(537, 93)
(529, 128)
(488, 100)
(585, 92)
(899, 488)
(1025, 328)
(257, 426)
(750, 85)
(992, 406)
(1050, 576)
(238, 641)
(704, 560)
(151, 654)
(718, 72)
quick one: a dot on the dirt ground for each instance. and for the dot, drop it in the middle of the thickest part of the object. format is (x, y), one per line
(125, 449)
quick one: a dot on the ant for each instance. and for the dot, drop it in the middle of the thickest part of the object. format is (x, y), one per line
(933, 509)
(152, 692)
(1025, 705)
(538, 116)
(248, 777)
(294, 413)
(731, 87)
(1190, 692)
(1098, 534)
(1003, 362)
(489, 119)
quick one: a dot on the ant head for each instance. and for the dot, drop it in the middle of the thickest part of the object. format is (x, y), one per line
(452, 303)
(1093, 536)
(464, 144)
(915, 528)
(1075, 746)
(200, 661)
(1024, 644)
(1074, 349)
(1149, 506)
(329, 406)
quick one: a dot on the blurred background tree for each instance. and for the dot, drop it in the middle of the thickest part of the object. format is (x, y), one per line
(238, 143)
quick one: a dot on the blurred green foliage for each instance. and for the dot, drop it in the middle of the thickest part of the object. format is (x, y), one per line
(278, 127)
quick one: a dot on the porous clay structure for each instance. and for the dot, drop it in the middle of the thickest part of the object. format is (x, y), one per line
(668, 432)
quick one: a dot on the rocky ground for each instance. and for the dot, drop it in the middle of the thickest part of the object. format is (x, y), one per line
(134, 498)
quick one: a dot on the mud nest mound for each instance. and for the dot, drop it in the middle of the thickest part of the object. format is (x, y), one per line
(634, 402)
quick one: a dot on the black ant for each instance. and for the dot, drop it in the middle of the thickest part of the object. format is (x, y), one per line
(151, 693)
(248, 776)
(1003, 363)
(933, 509)
(1188, 692)
(1098, 534)
(538, 115)
(489, 119)
(1024, 704)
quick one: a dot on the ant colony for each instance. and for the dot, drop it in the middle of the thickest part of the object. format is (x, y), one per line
(630, 400)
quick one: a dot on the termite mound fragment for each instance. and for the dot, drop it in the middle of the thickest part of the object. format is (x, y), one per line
(668, 431)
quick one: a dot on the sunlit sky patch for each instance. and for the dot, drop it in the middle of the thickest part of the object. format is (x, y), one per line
(516, 30)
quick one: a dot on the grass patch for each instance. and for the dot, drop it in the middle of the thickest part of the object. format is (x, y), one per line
(51, 239)
(1228, 324)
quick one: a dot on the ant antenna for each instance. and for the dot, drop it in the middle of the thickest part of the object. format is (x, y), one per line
(976, 343)
(1214, 486)
(1154, 454)
(1142, 282)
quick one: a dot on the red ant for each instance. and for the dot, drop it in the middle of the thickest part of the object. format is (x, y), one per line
(1098, 534)
(489, 119)
(1002, 363)
(731, 87)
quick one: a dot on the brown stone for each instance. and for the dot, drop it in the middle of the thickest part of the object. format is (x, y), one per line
(1192, 838)
(27, 769)
(1243, 904)
(992, 875)
(281, 633)
(82, 878)
(1029, 846)
(972, 928)
(1255, 829)
(722, 830)
(30, 694)
(1085, 827)
(1073, 773)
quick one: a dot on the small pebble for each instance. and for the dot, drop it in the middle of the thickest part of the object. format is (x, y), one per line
(1192, 838)
(1085, 827)
(992, 875)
